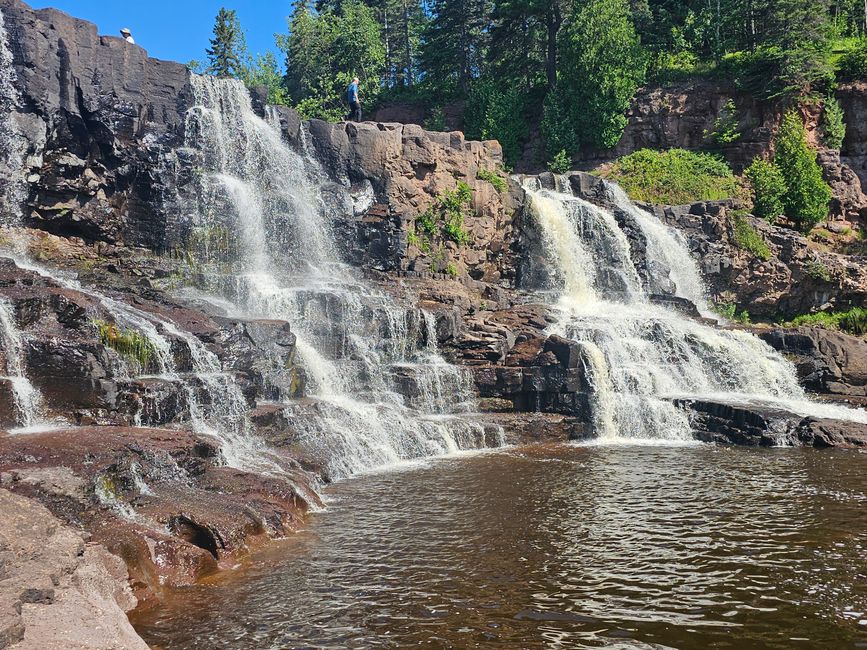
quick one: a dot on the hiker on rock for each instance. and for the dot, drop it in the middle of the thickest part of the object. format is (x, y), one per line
(354, 101)
(127, 35)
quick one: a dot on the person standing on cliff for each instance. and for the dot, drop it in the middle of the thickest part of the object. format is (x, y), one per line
(354, 101)
(127, 35)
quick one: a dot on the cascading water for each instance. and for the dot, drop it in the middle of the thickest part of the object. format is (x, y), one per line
(379, 397)
(639, 355)
(28, 400)
(11, 143)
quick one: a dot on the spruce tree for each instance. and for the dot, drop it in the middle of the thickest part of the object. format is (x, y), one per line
(228, 47)
(807, 194)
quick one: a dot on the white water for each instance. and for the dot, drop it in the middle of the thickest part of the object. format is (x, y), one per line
(28, 400)
(379, 398)
(639, 355)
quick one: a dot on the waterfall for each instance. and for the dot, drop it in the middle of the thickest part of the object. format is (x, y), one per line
(639, 355)
(28, 400)
(378, 396)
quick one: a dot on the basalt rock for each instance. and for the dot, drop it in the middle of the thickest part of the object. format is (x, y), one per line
(100, 119)
(828, 362)
(761, 426)
(397, 171)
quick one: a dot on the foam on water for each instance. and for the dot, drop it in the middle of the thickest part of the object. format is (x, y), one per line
(378, 392)
(638, 356)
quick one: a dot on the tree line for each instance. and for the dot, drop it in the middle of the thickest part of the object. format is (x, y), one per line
(570, 67)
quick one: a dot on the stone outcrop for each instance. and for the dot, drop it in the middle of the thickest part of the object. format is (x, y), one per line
(397, 172)
(100, 119)
(759, 426)
(57, 590)
(830, 363)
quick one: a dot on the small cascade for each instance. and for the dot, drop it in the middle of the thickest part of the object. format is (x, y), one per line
(380, 398)
(28, 400)
(11, 143)
(215, 403)
(638, 356)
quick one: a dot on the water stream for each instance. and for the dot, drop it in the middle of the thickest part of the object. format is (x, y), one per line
(28, 399)
(640, 355)
(382, 395)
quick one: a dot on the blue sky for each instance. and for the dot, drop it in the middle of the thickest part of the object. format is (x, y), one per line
(179, 30)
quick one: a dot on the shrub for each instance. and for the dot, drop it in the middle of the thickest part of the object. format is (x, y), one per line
(816, 269)
(729, 311)
(495, 112)
(747, 238)
(673, 177)
(808, 194)
(768, 188)
(493, 178)
(774, 72)
(726, 127)
(557, 125)
(450, 208)
(561, 163)
(833, 124)
(853, 64)
(452, 270)
(436, 121)
(853, 320)
(127, 342)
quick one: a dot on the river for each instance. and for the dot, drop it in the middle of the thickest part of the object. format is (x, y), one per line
(558, 547)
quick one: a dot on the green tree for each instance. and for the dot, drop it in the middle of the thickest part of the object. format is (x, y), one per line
(769, 189)
(324, 51)
(228, 46)
(495, 112)
(602, 64)
(265, 71)
(808, 195)
(454, 44)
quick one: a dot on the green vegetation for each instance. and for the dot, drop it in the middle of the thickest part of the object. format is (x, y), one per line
(129, 343)
(729, 311)
(768, 187)
(571, 68)
(726, 127)
(436, 120)
(445, 218)
(853, 63)
(853, 321)
(816, 269)
(452, 270)
(833, 125)
(228, 46)
(807, 195)
(496, 113)
(561, 162)
(493, 178)
(747, 238)
(324, 50)
(673, 177)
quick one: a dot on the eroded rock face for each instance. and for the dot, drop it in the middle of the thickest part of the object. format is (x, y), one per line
(56, 590)
(403, 168)
(828, 362)
(100, 118)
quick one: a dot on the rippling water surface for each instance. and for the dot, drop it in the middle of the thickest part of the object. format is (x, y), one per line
(560, 547)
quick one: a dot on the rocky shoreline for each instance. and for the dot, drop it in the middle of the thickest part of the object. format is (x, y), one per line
(121, 472)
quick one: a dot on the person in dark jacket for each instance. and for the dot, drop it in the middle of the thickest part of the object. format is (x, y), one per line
(354, 101)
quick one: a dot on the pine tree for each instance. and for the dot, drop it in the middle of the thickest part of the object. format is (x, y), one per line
(228, 46)
(455, 41)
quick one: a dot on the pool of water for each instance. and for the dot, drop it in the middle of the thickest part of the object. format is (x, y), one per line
(559, 547)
